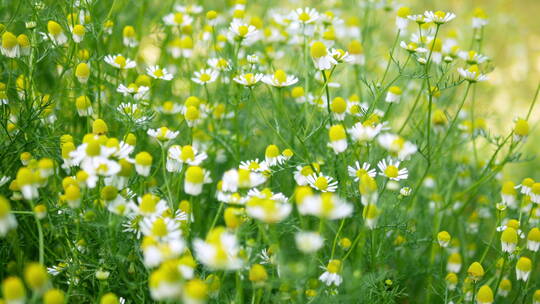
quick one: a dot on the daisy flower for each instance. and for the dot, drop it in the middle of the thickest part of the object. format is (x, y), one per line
(254, 165)
(305, 15)
(179, 155)
(177, 19)
(472, 57)
(332, 274)
(134, 90)
(322, 59)
(396, 145)
(219, 64)
(242, 30)
(149, 205)
(129, 37)
(327, 205)
(158, 73)
(390, 169)
(196, 177)
(155, 253)
(241, 178)
(357, 171)
(169, 107)
(303, 172)
(268, 210)
(439, 17)
(523, 269)
(472, 74)
(366, 131)
(10, 47)
(402, 19)
(162, 134)
(393, 95)
(479, 19)
(412, 47)
(525, 186)
(56, 33)
(205, 76)
(322, 183)
(280, 79)
(219, 251)
(338, 138)
(248, 79)
(120, 62)
(308, 242)
(356, 51)
(7, 219)
(161, 229)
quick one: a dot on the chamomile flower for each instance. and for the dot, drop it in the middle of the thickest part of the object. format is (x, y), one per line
(371, 214)
(155, 253)
(134, 90)
(241, 179)
(248, 79)
(7, 219)
(322, 58)
(479, 19)
(267, 209)
(412, 47)
(242, 30)
(195, 178)
(356, 51)
(149, 205)
(10, 47)
(302, 173)
(472, 74)
(305, 15)
(401, 17)
(13, 291)
(169, 107)
(272, 156)
(120, 62)
(56, 33)
(254, 165)
(357, 171)
(327, 205)
(179, 155)
(158, 73)
(390, 169)
(523, 269)
(177, 19)
(439, 17)
(366, 131)
(143, 163)
(321, 182)
(129, 36)
(454, 262)
(162, 134)
(219, 64)
(338, 138)
(219, 250)
(280, 79)
(308, 242)
(161, 229)
(78, 32)
(205, 76)
(396, 145)
(485, 295)
(533, 239)
(393, 95)
(332, 274)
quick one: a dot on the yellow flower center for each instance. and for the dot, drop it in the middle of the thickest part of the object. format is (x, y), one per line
(304, 17)
(391, 171)
(280, 76)
(318, 49)
(321, 183)
(120, 61)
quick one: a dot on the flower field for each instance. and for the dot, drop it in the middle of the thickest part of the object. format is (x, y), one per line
(243, 151)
